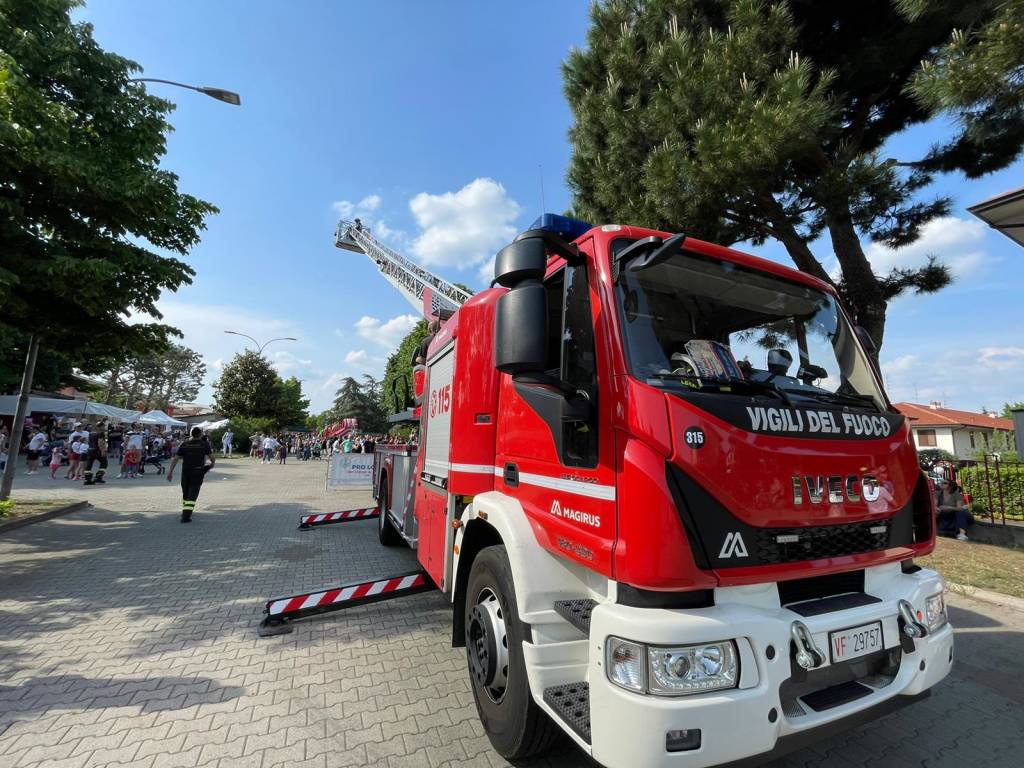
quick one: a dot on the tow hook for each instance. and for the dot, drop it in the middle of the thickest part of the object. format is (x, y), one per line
(808, 655)
(909, 625)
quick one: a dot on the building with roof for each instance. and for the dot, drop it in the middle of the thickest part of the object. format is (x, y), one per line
(961, 433)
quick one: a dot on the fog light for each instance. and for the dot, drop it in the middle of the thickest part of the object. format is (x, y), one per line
(625, 663)
(935, 611)
(682, 741)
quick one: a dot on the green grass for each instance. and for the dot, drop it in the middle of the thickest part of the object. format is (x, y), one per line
(14, 508)
(978, 565)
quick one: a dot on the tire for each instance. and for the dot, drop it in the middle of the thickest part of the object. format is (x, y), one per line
(386, 532)
(515, 725)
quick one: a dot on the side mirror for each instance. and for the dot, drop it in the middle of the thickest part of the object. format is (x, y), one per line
(522, 260)
(866, 340)
(520, 329)
(779, 361)
(809, 372)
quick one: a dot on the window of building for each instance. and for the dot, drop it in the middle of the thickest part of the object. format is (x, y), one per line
(970, 436)
(926, 438)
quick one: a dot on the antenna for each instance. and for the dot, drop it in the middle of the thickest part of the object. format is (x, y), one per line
(543, 204)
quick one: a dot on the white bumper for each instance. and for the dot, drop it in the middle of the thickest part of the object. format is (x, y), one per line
(628, 729)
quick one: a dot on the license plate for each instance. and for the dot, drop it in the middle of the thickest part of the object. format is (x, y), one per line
(846, 644)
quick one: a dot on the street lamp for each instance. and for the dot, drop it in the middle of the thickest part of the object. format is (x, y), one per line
(21, 410)
(260, 347)
(228, 97)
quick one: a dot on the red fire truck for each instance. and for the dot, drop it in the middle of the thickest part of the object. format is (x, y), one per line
(674, 511)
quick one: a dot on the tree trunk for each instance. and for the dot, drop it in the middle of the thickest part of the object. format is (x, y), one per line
(861, 289)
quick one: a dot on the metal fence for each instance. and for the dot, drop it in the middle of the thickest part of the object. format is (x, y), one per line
(995, 487)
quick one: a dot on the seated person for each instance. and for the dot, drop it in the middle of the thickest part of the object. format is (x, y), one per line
(953, 514)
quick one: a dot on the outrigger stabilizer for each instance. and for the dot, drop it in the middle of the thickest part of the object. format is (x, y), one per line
(281, 611)
(345, 516)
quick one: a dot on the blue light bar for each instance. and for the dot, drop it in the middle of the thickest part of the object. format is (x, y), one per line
(566, 228)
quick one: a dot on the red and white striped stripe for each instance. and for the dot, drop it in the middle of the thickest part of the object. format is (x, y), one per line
(344, 594)
(335, 517)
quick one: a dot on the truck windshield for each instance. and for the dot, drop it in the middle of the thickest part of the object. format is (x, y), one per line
(692, 323)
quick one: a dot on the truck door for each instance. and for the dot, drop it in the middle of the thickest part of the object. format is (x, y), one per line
(558, 461)
(432, 485)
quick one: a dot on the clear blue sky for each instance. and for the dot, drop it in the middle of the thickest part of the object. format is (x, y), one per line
(437, 118)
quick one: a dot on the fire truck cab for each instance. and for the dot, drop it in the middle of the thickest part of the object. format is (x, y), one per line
(671, 504)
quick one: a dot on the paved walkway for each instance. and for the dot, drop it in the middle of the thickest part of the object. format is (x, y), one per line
(129, 639)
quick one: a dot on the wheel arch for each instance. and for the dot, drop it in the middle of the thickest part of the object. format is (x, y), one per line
(540, 577)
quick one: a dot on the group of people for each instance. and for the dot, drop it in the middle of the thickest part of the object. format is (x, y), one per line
(87, 448)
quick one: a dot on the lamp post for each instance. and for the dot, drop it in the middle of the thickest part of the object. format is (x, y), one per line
(21, 411)
(261, 347)
(228, 97)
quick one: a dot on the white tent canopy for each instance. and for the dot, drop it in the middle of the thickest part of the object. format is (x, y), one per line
(209, 426)
(159, 417)
(72, 408)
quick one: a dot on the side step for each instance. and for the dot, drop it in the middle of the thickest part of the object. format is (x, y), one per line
(345, 516)
(576, 612)
(282, 610)
(572, 704)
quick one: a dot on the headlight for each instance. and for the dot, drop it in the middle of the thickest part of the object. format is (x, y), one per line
(672, 671)
(935, 612)
(692, 668)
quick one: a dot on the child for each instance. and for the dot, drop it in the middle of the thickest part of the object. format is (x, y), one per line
(79, 448)
(56, 457)
(131, 462)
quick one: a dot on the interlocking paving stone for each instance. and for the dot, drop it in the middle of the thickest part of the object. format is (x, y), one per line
(129, 639)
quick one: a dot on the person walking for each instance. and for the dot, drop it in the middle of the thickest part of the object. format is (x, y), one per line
(226, 442)
(269, 446)
(192, 454)
(35, 447)
(97, 453)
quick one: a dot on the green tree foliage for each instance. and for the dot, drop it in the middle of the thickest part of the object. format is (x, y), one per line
(243, 429)
(292, 408)
(247, 387)
(746, 120)
(86, 209)
(357, 401)
(399, 366)
(155, 379)
(1008, 409)
(52, 368)
(929, 457)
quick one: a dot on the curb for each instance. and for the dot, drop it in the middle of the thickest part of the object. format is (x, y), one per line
(22, 521)
(987, 596)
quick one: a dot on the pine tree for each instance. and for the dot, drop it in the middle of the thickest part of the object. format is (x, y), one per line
(737, 120)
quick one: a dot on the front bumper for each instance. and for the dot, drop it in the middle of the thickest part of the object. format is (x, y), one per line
(629, 729)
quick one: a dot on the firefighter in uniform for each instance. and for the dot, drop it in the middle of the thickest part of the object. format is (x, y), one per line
(192, 454)
(97, 453)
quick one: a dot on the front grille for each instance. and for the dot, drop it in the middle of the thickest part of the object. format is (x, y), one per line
(818, 542)
(816, 587)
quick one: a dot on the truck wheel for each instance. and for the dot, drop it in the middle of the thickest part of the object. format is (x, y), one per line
(385, 530)
(516, 726)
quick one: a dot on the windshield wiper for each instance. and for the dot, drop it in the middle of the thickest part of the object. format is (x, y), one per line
(859, 401)
(765, 387)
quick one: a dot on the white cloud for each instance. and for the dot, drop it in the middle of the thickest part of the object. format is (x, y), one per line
(369, 203)
(363, 360)
(347, 209)
(389, 333)
(218, 363)
(955, 242)
(461, 229)
(1002, 359)
(899, 365)
(287, 364)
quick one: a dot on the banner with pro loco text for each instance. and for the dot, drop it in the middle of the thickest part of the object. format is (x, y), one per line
(350, 470)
